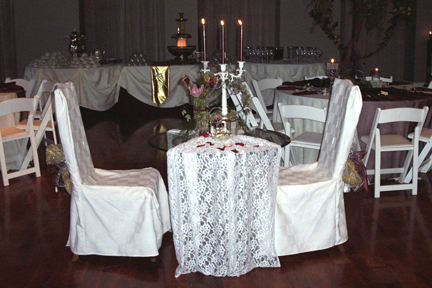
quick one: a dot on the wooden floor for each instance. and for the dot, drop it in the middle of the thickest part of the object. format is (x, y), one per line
(390, 239)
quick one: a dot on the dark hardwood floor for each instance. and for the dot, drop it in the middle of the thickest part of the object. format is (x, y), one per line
(390, 239)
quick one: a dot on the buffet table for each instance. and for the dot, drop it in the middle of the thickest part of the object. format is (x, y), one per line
(97, 88)
(137, 81)
(222, 202)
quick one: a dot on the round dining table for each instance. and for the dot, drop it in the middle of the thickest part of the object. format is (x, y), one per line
(222, 200)
(385, 98)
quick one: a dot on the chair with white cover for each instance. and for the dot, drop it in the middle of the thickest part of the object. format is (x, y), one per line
(310, 212)
(430, 85)
(307, 139)
(12, 133)
(394, 142)
(265, 85)
(113, 212)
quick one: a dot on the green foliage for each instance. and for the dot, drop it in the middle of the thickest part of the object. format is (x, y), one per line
(380, 16)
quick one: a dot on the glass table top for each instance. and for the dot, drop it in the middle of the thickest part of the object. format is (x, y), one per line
(167, 140)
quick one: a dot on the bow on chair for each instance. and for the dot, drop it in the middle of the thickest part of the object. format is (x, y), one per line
(355, 171)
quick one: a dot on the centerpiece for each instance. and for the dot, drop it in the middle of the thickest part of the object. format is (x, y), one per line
(217, 122)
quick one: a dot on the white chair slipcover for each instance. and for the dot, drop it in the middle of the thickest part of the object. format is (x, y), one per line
(310, 212)
(115, 213)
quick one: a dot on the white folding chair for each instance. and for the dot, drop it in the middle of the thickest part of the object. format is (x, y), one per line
(12, 133)
(113, 212)
(383, 79)
(313, 77)
(245, 113)
(424, 164)
(308, 139)
(394, 142)
(26, 84)
(44, 91)
(45, 123)
(310, 212)
(264, 85)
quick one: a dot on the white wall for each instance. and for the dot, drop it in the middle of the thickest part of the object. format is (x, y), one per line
(296, 27)
(40, 27)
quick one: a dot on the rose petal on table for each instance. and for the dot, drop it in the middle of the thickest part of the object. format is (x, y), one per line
(239, 144)
(235, 151)
(221, 148)
(211, 144)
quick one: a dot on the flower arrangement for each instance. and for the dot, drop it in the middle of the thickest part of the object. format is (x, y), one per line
(202, 93)
(206, 93)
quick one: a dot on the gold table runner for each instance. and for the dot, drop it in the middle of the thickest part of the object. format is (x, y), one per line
(160, 83)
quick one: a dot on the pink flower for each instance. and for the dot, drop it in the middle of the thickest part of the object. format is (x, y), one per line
(195, 91)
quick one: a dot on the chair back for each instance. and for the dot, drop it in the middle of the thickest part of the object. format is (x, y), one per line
(402, 114)
(430, 85)
(72, 134)
(383, 79)
(318, 77)
(20, 82)
(19, 105)
(342, 117)
(263, 85)
(265, 121)
(44, 91)
(300, 112)
(244, 113)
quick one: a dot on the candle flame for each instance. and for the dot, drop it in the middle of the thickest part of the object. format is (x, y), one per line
(240, 22)
(203, 21)
(376, 69)
(222, 23)
(332, 61)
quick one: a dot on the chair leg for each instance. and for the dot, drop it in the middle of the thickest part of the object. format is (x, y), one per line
(377, 181)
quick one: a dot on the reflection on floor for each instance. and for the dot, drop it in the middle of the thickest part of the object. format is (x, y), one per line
(389, 242)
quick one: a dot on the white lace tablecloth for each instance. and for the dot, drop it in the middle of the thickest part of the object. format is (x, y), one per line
(223, 204)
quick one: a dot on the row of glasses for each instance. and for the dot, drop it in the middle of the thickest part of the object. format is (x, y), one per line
(301, 54)
(259, 54)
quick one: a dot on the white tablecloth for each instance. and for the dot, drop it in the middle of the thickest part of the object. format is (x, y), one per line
(97, 88)
(137, 81)
(223, 205)
(303, 155)
(287, 72)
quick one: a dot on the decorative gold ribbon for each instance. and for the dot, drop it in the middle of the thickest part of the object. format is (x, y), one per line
(57, 167)
(160, 83)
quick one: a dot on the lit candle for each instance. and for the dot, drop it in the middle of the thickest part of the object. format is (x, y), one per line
(332, 61)
(241, 39)
(223, 41)
(204, 39)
